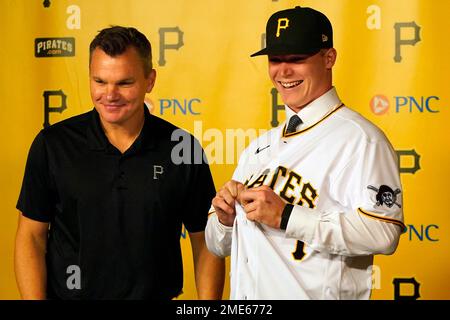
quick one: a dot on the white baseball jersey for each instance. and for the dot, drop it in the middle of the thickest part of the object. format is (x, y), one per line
(341, 174)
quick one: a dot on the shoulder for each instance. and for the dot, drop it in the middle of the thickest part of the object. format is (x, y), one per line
(63, 132)
(162, 126)
(354, 126)
(75, 124)
(166, 131)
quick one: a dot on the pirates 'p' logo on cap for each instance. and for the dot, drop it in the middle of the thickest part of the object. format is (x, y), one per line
(283, 23)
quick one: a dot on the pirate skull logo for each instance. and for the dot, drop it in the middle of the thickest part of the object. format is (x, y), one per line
(385, 195)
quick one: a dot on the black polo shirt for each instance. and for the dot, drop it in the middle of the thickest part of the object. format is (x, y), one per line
(117, 217)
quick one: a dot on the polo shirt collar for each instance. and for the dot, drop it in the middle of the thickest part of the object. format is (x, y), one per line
(317, 109)
(97, 139)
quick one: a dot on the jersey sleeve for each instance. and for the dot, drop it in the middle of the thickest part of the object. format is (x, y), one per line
(364, 214)
(218, 236)
(37, 197)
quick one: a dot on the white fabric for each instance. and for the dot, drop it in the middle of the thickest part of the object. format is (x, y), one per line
(344, 159)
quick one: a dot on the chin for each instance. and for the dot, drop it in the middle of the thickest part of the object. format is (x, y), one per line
(111, 118)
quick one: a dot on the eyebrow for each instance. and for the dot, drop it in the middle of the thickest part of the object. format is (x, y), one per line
(126, 80)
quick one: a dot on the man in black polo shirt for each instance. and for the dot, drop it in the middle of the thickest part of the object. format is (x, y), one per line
(103, 202)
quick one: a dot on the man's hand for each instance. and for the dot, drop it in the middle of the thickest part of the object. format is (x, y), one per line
(262, 205)
(225, 200)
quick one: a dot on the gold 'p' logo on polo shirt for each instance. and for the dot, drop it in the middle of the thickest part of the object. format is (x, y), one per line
(283, 23)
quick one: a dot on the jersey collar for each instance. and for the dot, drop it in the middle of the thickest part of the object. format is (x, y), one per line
(315, 111)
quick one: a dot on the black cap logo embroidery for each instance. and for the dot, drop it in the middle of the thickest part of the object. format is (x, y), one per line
(385, 195)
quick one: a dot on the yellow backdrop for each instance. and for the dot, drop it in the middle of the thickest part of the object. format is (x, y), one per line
(392, 68)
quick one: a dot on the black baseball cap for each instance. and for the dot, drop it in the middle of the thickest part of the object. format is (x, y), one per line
(297, 31)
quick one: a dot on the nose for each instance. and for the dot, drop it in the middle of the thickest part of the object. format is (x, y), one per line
(286, 69)
(112, 92)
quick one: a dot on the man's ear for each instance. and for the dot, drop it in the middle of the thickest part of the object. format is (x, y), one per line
(151, 80)
(330, 57)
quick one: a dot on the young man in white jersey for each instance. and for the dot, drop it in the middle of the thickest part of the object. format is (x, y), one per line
(312, 201)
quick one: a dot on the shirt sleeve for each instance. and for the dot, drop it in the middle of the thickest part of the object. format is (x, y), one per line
(364, 214)
(200, 192)
(37, 197)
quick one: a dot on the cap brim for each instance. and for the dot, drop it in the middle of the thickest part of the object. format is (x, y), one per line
(260, 53)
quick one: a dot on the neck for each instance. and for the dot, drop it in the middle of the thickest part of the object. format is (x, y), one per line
(122, 136)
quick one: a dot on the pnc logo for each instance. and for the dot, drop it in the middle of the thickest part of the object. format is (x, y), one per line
(179, 106)
(379, 104)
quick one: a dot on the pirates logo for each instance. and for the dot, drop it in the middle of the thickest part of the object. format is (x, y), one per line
(385, 195)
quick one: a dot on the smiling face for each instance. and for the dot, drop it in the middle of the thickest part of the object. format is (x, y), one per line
(299, 78)
(118, 86)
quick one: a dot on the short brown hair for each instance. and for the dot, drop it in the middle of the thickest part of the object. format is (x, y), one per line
(115, 40)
